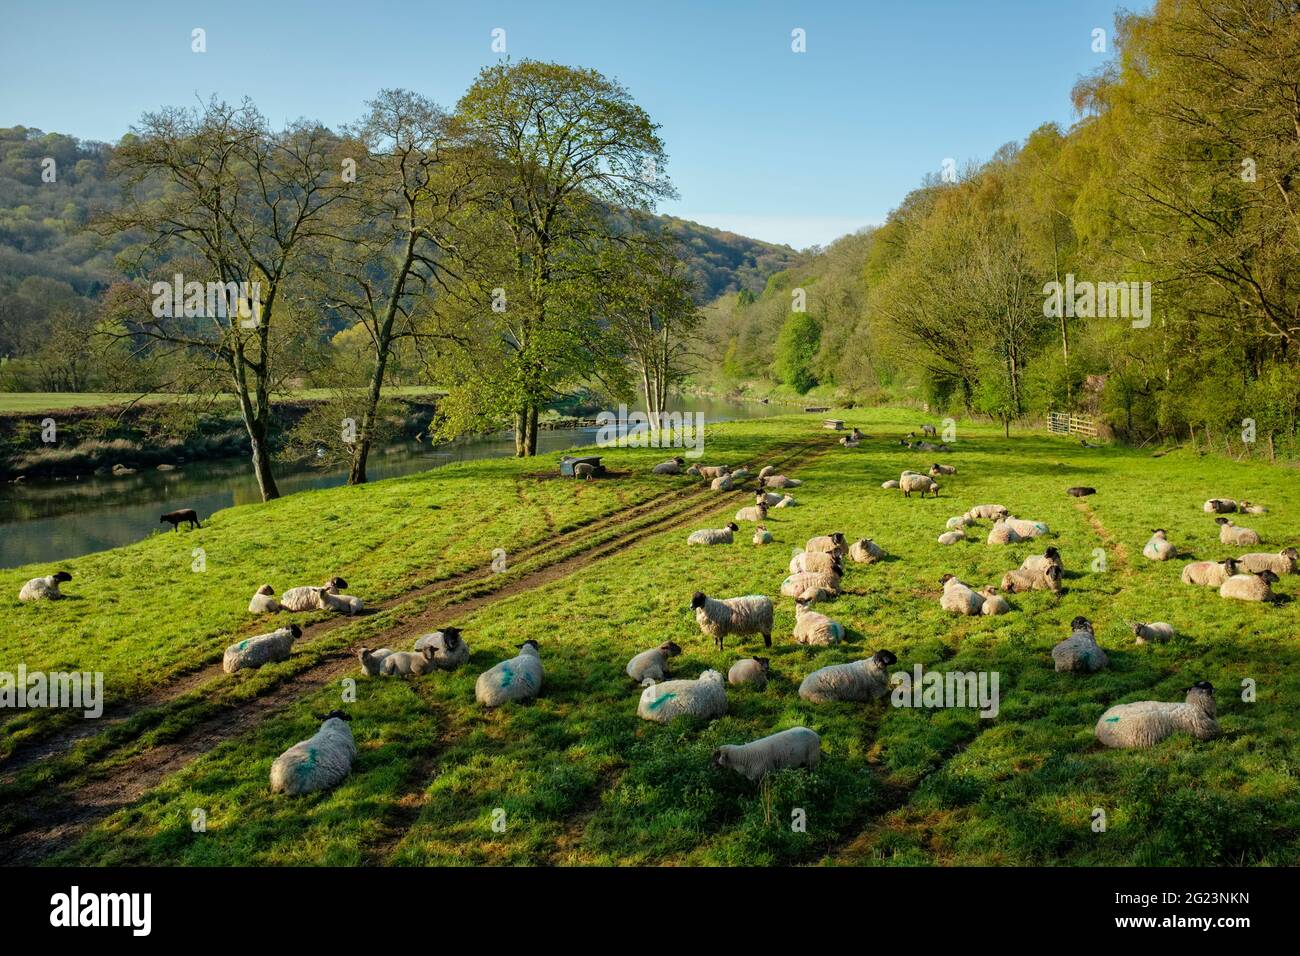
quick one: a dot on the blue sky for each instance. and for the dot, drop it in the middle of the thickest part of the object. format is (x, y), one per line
(783, 146)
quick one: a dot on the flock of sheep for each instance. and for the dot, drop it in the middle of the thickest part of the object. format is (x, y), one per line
(815, 575)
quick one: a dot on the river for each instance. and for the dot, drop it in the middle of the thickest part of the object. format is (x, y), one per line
(45, 521)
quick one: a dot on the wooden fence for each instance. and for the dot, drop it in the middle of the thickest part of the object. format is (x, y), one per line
(1067, 423)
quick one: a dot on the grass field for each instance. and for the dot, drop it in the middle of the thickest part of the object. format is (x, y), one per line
(33, 402)
(603, 572)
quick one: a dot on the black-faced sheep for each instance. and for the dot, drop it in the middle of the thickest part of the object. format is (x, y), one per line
(1080, 652)
(861, 681)
(1041, 562)
(833, 543)
(1230, 533)
(1158, 547)
(796, 747)
(822, 562)
(1209, 573)
(937, 470)
(319, 762)
(652, 665)
(1249, 587)
(1147, 722)
(919, 483)
(673, 466)
(714, 535)
(1020, 580)
(752, 513)
(1080, 491)
(751, 614)
(667, 700)
(1219, 506)
(959, 598)
(44, 589)
(1284, 562)
(449, 649)
(259, 650)
(264, 601)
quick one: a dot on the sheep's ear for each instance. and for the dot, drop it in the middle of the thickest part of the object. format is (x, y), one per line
(717, 757)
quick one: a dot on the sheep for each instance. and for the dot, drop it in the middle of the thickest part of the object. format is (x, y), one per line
(261, 649)
(1020, 580)
(1041, 562)
(415, 663)
(1284, 562)
(835, 543)
(1245, 507)
(371, 661)
(866, 551)
(180, 517)
(668, 700)
(801, 584)
(863, 681)
(922, 483)
(958, 598)
(952, 537)
(320, 762)
(1209, 573)
(817, 561)
(723, 483)
(1230, 533)
(264, 601)
(1158, 547)
(812, 627)
(652, 665)
(708, 471)
(796, 747)
(849, 442)
(342, 603)
(1157, 632)
(1249, 587)
(449, 649)
(787, 501)
(1145, 723)
(765, 471)
(751, 614)
(993, 512)
(768, 498)
(1219, 506)
(752, 513)
(749, 670)
(518, 678)
(994, 603)
(1003, 533)
(929, 431)
(44, 589)
(778, 481)
(959, 522)
(714, 535)
(1080, 652)
(1025, 529)
(308, 598)
(891, 483)
(762, 535)
(673, 466)
(1080, 491)
(937, 469)
(739, 475)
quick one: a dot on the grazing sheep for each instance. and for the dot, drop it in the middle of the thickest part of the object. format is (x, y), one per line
(835, 543)
(259, 650)
(959, 522)
(1209, 573)
(44, 589)
(937, 469)
(1246, 507)
(708, 471)
(179, 517)
(307, 598)
(802, 583)
(751, 614)
(752, 513)
(929, 431)
(863, 681)
(993, 512)
(817, 561)
(673, 466)
(320, 762)
(921, 483)
(1157, 632)
(1284, 562)
(667, 700)
(342, 603)
(749, 670)
(371, 661)
(1080, 491)
(812, 627)
(1230, 533)
(866, 551)
(994, 603)
(958, 598)
(518, 678)
(796, 747)
(652, 664)
(778, 481)
(264, 601)
(449, 649)
(1003, 533)
(762, 535)
(1041, 562)
(1249, 587)
(1158, 547)
(1080, 652)
(1145, 723)
(892, 483)
(1219, 506)
(952, 537)
(415, 663)
(714, 535)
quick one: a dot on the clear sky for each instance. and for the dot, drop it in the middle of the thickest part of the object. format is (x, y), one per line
(783, 146)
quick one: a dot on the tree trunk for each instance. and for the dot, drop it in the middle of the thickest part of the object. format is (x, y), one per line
(532, 431)
(256, 422)
(521, 438)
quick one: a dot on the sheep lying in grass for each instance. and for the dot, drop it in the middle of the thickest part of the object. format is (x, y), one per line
(372, 661)
(1246, 507)
(1003, 533)
(990, 512)
(708, 471)
(723, 483)
(1020, 580)
(44, 589)
(778, 481)
(714, 535)
(1025, 528)
(308, 598)
(821, 562)
(834, 543)
(1157, 632)
(652, 665)
(796, 747)
(320, 762)
(1230, 533)
(665, 701)
(952, 537)
(449, 649)
(752, 513)
(994, 603)
(815, 628)
(768, 498)
(1209, 573)
(264, 601)
(1080, 652)
(959, 522)
(866, 551)
(1147, 722)
(862, 681)
(802, 584)
(1219, 506)
(959, 598)
(739, 474)
(787, 501)
(518, 678)
(849, 442)
(1080, 491)
(891, 483)
(1050, 558)
(259, 650)
(749, 670)
(407, 663)
(1249, 587)
(937, 470)
(341, 603)
(762, 535)
(751, 614)
(1158, 547)
(920, 483)
(673, 466)
(1284, 562)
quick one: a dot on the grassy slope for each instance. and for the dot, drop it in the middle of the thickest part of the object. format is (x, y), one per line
(582, 780)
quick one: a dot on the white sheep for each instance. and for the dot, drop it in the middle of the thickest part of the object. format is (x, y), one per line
(891, 483)
(1245, 507)
(409, 663)
(261, 649)
(1003, 533)
(863, 680)
(819, 561)
(723, 483)
(308, 598)
(786, 501)
(1156, 632)
(1158, 547)
(952, 537)
(264, 601)
(796, 747)
(936, 470)
(1209, 573)
(834, 543)
(44, 589)
(751, 614)
(958, 522)
(959, 598)
(319, 762)
(708, 471)
(1026, 529)
(992, 512)
(341, 603)
(749, 670)
(1230, 533)
(1041, 562)
(778, 481)
(371, 661)
(815, 628)
(652, 665)
(1020, 580)
(1284, 562)
(673, 466)
(994, 603)
(449, 649)
(762, 535)
(714, 535)
(802, 583)
(1080, 651)
(922, 483)
(519, 678)
(866, 551)
(752, 513)
(1147, 722)
(768, 498)
(667, 700)
(1249, 587)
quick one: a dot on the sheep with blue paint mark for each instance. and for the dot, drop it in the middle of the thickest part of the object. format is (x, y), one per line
(517, 679)
(320, 762)
(665, 701)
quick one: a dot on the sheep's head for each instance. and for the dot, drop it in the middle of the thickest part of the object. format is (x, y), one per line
(62, 576)
(1136, 626)
(720, 756)
(1230, 565)
(295, 630)
(451, 638)
(1201, 696)
(698, 599)
(1291, 553)
(762, 508)
(669, 648)
(762, 663)
(884, 658)
(530, 643)
(1160, 532)
(1053, 575)
(266, 589)
(762, 482)
(336, 582)
(731, 525)
(1053, 553)
(837, 537)
(428, 651)
(1223, 521)
(946, 578)
(679, 459)
(334, 715)
(693, 470)
(1269, 576)
(1081, 623)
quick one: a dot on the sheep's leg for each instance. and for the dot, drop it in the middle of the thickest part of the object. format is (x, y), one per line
(767, 640)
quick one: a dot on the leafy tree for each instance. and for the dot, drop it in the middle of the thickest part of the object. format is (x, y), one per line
(795, 349)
